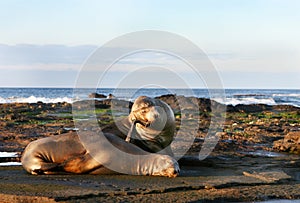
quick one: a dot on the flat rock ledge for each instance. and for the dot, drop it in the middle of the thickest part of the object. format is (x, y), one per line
(199, 183)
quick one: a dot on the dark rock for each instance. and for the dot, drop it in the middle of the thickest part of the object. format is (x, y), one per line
(98, 96)
(102, 104)
(286, 108)
(111, 96)
(89, 104)
(180, 103)
(277, 129)
(252, 108)
(255, 108)
(171, 100)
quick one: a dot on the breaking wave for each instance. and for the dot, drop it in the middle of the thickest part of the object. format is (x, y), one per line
(247, 101)
(233, 96)
(33, 99)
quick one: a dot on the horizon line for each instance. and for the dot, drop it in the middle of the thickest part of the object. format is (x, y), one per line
(202, 88)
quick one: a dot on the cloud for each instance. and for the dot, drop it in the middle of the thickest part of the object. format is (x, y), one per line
(265, 59)
(61, 57)
(118, 59)
(42, 67)
(28, 54)
(36, 78)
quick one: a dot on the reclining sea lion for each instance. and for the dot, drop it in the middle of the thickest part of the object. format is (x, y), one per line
(150, 126)
(65, 153)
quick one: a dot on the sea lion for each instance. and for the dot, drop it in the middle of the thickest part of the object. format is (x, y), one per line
(150, 125)
(65, 153)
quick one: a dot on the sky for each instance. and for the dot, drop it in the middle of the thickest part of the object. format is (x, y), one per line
(251, 43)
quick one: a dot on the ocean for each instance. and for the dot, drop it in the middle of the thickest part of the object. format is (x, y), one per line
(233, 96)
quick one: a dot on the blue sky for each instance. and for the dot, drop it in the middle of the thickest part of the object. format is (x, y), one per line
(252, 43)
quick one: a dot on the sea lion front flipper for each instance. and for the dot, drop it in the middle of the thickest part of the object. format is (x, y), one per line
(46, 168)
(81, 164)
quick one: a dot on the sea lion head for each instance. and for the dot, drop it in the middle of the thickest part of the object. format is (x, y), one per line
(152, 124)
(146, 112)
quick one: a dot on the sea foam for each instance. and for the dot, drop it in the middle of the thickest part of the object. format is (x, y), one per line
(33, 99)
(247, 101)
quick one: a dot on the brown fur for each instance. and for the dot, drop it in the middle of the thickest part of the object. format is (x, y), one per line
(155, 129)
(65, 153)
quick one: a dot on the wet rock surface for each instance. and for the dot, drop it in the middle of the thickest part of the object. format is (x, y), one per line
(290, 143)
(244, 166)
(209, 180)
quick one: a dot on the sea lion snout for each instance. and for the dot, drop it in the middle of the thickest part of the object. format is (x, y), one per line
(152, 115)
(147, 111)
(165, 165)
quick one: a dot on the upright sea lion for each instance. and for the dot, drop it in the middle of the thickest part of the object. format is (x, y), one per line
(149, 127)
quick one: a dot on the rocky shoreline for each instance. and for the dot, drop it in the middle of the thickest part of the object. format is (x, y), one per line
(255, 139)
(21, 123)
